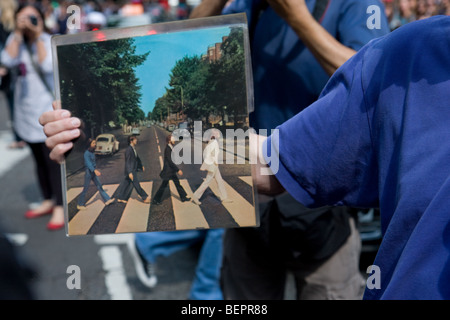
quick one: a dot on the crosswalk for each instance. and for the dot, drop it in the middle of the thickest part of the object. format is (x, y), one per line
(136, 216)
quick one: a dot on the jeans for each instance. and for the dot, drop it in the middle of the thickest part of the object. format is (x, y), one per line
(206, 283)
(87, 180)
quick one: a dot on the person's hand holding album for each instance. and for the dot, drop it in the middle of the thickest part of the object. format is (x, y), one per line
(60, 129)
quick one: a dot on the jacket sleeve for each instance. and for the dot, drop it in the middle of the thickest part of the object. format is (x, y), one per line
(333, 162)
(168, 158)
(129, 160)
(88, 162)
(6, 59)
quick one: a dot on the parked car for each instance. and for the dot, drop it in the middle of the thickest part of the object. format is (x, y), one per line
(182, 132)
(136, 131)
(106, 144)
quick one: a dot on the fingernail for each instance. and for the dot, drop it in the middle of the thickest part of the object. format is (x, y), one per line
(74, 132)
(75, 122)
(65, 114)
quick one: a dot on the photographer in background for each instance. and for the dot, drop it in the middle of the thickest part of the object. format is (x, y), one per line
(7, 76)
(29, 49)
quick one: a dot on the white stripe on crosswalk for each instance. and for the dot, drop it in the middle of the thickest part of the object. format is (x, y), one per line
(248, 180)
(241, 210)
(73, 193)
(188, 215)
(84, 219)
(135, 215)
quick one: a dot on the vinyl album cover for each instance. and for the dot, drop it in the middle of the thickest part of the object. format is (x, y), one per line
(164, 110)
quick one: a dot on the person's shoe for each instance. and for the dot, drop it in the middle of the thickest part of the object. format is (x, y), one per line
(185, 199)
(81, 207)
(55, 226)
(144, 269)
(155, 202)
(147, 200)
(30, 214)
(196, 201)
(107, 203)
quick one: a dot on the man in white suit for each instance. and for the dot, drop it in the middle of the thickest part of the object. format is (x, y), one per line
(211, 165)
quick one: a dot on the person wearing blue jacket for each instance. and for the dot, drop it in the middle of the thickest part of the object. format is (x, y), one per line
(92, 174)
(379, 137)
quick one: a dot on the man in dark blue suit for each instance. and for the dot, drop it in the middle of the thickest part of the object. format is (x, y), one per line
(169, 172)
(133, 164)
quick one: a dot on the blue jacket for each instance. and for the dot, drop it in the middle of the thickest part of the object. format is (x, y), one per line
(380, 136)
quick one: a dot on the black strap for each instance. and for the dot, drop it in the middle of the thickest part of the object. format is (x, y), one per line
(39, 71)
(319, 9)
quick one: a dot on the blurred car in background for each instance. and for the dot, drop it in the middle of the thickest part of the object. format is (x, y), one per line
(107, 144)
(135, 131)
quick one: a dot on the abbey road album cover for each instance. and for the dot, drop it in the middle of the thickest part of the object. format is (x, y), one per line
(164, 112)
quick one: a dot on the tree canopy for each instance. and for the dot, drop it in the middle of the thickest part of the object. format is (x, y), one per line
(200, 87)
(99, 84)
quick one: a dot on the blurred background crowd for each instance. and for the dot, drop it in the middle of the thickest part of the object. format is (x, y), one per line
(400, 12)
(97, 14)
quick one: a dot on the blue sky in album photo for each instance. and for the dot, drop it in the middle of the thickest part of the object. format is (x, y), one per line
(165, 49)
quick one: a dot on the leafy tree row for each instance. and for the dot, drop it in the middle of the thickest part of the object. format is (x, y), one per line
(98, 82)
(201, 88)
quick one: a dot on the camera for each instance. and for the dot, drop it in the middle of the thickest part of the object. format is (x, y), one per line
(34, 20)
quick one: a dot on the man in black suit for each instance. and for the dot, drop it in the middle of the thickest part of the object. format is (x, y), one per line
(169, 172)
(133, 164)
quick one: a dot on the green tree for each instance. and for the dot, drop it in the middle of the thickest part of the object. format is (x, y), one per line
(100, 77)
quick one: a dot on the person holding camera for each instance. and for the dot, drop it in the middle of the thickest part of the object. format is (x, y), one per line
(29, 49)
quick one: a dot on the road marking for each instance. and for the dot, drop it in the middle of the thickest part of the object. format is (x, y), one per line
(10, 157)
(73, 193)
(248, 180)
(115, 278)
(135, 216)
(241, 210)
(17, 239)
(83, 220)
(161, 163)
(159, 149)
(188, 215)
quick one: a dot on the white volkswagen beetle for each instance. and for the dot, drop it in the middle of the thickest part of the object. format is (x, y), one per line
(106, 144)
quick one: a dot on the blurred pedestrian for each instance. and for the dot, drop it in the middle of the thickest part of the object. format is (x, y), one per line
(296, 46)
(29, 48)
(7, 75)
(92, 174)
(146, 248)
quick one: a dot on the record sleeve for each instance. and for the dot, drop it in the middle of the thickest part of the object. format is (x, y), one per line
(165, 127)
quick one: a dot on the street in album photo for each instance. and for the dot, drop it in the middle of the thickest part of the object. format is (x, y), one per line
(164, 111)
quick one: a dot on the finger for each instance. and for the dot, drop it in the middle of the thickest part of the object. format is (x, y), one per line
(50, 116)
(55, 127)
(57, 153)
(62, 137)
(56, 104)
